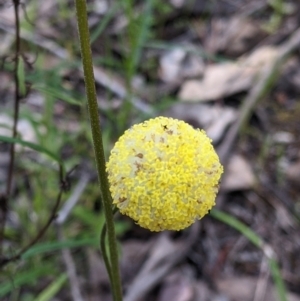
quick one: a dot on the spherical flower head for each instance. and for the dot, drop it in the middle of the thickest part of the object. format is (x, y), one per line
(164, 174)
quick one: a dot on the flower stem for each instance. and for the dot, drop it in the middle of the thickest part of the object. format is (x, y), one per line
(84, 37)
(104, 252)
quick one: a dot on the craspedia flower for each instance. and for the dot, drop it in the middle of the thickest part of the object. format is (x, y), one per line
(164, 174)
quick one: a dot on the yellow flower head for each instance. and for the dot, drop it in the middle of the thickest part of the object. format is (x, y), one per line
(164, 174)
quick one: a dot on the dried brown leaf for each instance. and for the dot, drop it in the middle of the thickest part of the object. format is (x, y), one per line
(221, 80)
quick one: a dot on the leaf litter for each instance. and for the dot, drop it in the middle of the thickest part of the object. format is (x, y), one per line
(207, 88)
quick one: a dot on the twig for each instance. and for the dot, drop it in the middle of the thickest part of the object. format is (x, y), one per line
(17, 98)
(156, 268)
(4, 261)
(264, 82)
(64, 186)
(64, 212)
(6, 198)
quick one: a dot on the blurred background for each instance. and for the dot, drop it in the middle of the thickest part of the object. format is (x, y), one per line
(231, 67)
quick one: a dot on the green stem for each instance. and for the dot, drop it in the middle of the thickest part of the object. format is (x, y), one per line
(86, 54)
(104, 253)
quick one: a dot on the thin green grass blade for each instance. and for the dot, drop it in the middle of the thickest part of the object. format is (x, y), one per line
(21, 76)
(29, 276)
(279, 283)
(54, 246)
(59, 245)
(102, 25)
(50, 291)
(157, 44)
(237, 225)
(258, 242)
(137, 34)
(143, 34)
(33, 146)
(60, 94)
(5, 126)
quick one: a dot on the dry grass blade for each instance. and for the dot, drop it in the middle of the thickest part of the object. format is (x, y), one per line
(255, 94)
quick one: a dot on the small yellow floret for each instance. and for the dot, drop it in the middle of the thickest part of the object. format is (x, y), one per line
(164, 174)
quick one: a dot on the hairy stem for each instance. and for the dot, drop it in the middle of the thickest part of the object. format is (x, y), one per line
(84, 37)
